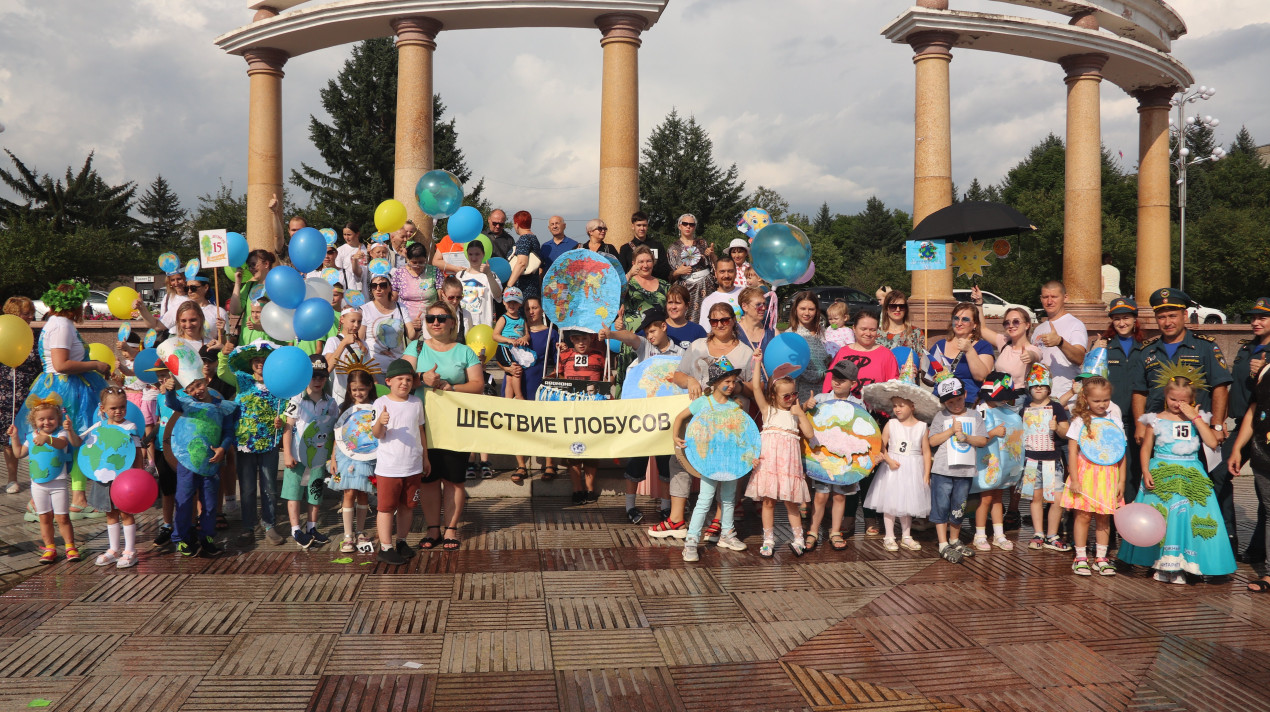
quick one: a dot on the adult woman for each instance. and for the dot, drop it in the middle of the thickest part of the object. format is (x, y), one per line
(351, 256)
(174, 295)
(1016, 354)
(14, 385)
(739, 251)
(963, 352)
(894, 326)
(804, 314)
(1123, 340)
(386, 325)
(542, 340)
(596, 232)
(444, 365)
(681, 330)
(192, 329)
(691, 261)
(259, 262)
(753, 328)
(76, 381)
(643, 290)
(215, 318)
(875, 362)
(414, 284)
(525, 276)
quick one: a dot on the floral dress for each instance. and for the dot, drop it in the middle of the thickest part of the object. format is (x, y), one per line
(414, 293)
(699, 282)
(639, 300)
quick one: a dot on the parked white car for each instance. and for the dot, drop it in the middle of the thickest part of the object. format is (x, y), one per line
(1205, 315)
(993, 306)
(95, 304)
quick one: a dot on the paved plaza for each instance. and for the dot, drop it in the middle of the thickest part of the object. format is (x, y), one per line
(552, 606)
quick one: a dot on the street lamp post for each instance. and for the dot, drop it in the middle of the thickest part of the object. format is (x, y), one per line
(1182, 130)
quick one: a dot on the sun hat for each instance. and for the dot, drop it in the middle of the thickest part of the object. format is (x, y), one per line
(717, 372)
(878, 397)
(240, 358)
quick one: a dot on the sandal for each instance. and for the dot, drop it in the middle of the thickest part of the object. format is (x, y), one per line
(1104, 567)
(548, 473)
(1261, 585)
(872, 531)
(49, 555)
(221, 522)
(519, 475)
(1037, 542)
(127, 560)
(810, 541)
(768, 549)
(1080, 567)
(429, 542)
(449, 544)
(107, 557)
(1003, 544)
(910, 544)
(837, 541)
(889, 544)
(72, 554)
(711, 533)
(85, 512)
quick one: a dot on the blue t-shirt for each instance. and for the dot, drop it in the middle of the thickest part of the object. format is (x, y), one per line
(549, 250)
(513, 328)
(1126, 344)
(962, 369)
(1171, 349)
(686, 334)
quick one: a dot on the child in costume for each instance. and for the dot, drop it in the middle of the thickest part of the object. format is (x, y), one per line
(347, 345)
(199, 447)
(49, 443)
(1094, 489)
(843, 378)
(350, 475)
(1044, 423)
(778, 476)
(259, 434)
(1175, 483)
(901, 487)
(1001, 462)
(114, 406)
(949, 482)
(306, 446)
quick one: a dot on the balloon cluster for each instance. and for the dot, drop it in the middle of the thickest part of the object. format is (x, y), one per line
(299, 308)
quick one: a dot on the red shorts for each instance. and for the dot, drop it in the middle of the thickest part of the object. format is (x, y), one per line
(397, 492)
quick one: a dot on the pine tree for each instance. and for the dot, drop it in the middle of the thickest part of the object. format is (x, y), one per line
(165, 227)
(1243, 143)
(82, 199)
(878, 228)
(975, 192)
(678, 175)
(824, 221)
(359, 144)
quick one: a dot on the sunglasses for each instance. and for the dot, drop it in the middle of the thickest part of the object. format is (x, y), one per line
(898, 307)
(721, 322)
(436, 318)
(1013, 322)
(962, 320)
(599, 229)
(789, 396)
(497, 224)
(379, 285)
(688, 224)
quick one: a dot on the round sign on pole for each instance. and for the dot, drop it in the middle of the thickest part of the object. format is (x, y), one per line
(1001, 248)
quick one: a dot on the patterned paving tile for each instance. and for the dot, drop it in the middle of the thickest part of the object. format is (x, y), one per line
(843, 575)
(1192, 618)
(500, 586)
(691, 610)
(580, 560)
(52, 586)
(134, 589)
(909, 633)
(829, 691)
(266, 694)
(621, 648)
(761, 686)
(257, 562)
(713, 643)
(128, 693)
(249, 587)
(19, 616)
(384, 655)
(273, 654)
(588, 583)
(676, 582)
(758, 579)
(1094, 621)
(1009, 625)
(772, 606)
(595, 613)
(842, 650)
(569, 539)
(60, 655)
(616, 689)
(407, 586)
(316, 588)
(19, 693)
(496, 651)
(100, 618)
(287, 617)
(937, 672)
(1058, 663)
(336, 693)
(496, 615)
(902, 571)
(397, 617)
(497, 692)
(784, 636)
(196, 653)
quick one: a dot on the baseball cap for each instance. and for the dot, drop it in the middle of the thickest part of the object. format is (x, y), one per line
(949, 388)
(845, 370)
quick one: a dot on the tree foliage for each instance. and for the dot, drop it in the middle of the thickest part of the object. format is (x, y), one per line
(771, 201)
(165, 227)
(678, 174)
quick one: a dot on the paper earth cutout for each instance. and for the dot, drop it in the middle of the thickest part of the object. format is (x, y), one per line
(846, 446)
(721, 442)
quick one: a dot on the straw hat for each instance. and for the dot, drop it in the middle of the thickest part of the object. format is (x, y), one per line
(878, 397)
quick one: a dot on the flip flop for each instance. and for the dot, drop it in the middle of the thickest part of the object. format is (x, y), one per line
(430, 542)
(1261, 585)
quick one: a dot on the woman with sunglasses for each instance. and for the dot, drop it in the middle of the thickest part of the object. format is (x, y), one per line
(414, 284)
(215, 318)
(804, 317)
(895, 327)
(753, 327)
(964, 352)
(596, 233)
(1015, 351)
(444, 364)
(691, 261)
(386, 325)
(175, 291)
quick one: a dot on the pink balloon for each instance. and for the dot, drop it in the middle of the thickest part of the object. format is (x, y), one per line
(1140, 524)
(811, 272)
(134, 491)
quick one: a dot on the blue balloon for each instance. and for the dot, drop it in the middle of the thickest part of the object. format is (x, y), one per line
(284, 286)
(313, 319)
(466, 224)
(780, 253)
(788, 348)
(287, 371)
(439, 193)
(145, 360)
(615, 346)
(500, 267)
(307, 249)
(237, 249)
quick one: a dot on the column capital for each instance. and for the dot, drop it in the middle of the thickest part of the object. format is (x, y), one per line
(264, 13)
(621, 27)
(265, 60)
(931, 43)
(416, 31)
(1083, 66)
(1154, 97)
(933, 4)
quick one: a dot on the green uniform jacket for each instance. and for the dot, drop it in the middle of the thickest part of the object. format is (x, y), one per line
(1120, 368)
(1194, 349)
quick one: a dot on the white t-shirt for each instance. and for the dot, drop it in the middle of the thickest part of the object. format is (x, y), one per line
(717, 297)
(400, 451)
(60, 333)
(210, 312)
(344, 260)
(478, 297)
(167, 310)
(384, 353)
(1110, 279)
(1062, 371)
(339, 382)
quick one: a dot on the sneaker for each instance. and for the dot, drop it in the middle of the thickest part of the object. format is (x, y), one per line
(689, 552)
(711, 533)
(981, 544)
(951, 554)
(391, 557)
(728, 540)
(209, 548)
(1003, 544)
(1104, 567)
(1056, 544)
(592, 497)
(471, 470)
(634, 515)
(487, 472)
(668, 529)
(910, 544)
(302, 538)
(271, 533)
(1080, 567)
(187, 548)
(107, 557)
(405, 549)
(319, 539)
(347, 546)
(966, 552)
(579, 498)
(127, 560)
(768, 549)
(1037, 543)
(164, 537)
(889, 544)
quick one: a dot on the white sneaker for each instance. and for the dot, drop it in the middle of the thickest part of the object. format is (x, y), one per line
(728, 540)
(690, 549)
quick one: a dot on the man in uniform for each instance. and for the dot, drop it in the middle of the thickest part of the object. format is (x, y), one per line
(1249, 361)
(1178, 344)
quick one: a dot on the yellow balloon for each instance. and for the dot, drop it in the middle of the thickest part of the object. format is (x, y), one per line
(104, 354)
(390, 216)
(120, 302)
(480, 337)
(16, 340)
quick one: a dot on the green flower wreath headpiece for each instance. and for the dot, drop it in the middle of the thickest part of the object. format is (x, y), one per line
(66, 295)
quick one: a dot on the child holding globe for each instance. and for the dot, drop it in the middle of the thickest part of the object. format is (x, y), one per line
(114, 406)
(49, 446)
(1093, 489)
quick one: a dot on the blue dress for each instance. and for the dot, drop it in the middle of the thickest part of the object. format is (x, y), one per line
(80, 392)
(1195, 535)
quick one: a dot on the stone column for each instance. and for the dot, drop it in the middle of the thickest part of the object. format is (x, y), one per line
(619, 122)
(1082, 205)
(1154, 192)
(932, 161)
(415, 45)
(264, 144)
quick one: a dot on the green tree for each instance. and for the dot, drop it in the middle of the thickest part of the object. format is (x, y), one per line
(221, 209)
(771, 201)
(678, 175)
(359, 144)
(82, 200)
(823, 220)
(37, 254)
(165, 227)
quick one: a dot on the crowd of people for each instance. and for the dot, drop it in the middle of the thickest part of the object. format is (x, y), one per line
(400, 333)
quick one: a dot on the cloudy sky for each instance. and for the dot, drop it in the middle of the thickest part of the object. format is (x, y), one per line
(810, 101)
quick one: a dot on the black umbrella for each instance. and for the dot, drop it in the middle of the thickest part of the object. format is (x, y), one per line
(973, 220)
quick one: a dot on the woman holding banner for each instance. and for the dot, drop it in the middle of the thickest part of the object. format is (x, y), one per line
(444, 364)
(542, 341)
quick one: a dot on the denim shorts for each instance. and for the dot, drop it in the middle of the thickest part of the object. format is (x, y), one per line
(825, 488)
(948, 498)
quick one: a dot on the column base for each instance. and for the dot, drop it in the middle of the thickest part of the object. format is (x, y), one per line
(931, 316)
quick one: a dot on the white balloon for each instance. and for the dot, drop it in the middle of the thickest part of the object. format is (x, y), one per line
(277, 322)
(318, 288)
